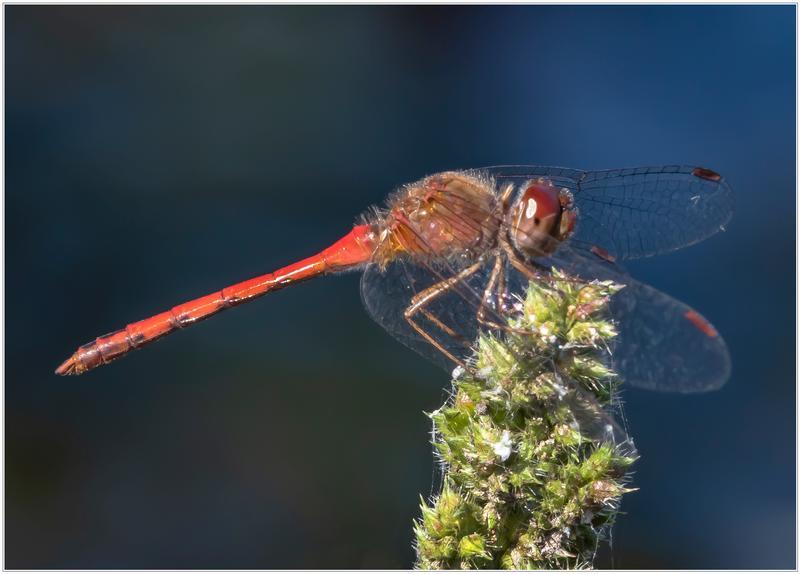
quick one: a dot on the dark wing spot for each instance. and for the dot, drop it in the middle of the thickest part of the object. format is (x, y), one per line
(708, 174)
(699, 321)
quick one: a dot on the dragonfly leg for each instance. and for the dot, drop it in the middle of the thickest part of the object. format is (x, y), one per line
(488, 292)
(501, 290)
(496, 277)
(523, 267)
(534, 270)
(435, 320)
(425, 296)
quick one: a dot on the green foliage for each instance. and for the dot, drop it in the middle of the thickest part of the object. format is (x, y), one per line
(533, 469)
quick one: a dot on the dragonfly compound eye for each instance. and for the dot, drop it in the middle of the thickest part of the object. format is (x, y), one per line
(536, 218)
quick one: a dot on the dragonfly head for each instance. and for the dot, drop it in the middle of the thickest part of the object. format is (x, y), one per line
(541, 218)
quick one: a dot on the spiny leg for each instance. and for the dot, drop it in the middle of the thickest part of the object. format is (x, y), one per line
(496, 277)
(435, 320)
(520, 266)
(501, 290)
(533, 270)
(487, 294)
(426, 296)
(505, 196)
(536, 271)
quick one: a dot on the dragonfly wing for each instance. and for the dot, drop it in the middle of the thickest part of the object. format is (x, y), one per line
(663, 344)
(596, 421)
(387, 293)
(636, 212)
(640, 212)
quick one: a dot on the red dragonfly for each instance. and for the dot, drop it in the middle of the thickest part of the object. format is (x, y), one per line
(448, 253)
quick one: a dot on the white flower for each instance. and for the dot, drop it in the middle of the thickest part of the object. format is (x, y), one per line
(502, 448)
(493, 392)
(458, 371)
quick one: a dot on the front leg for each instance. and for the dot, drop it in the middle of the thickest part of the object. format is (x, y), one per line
(496, 278)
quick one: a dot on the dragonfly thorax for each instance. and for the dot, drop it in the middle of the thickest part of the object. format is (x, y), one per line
(446, 215)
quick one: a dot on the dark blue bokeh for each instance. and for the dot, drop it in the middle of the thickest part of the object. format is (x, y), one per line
(157, 153)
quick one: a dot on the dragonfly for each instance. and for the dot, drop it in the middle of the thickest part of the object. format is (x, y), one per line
(446, 255)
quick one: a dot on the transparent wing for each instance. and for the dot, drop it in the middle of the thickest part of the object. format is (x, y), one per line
(388, 293)
(597, 421)
(636, 212)
(663, 344)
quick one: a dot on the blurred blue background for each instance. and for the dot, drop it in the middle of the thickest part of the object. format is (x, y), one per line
(154, 154)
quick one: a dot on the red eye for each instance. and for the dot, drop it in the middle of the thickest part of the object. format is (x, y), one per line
(539, 201)
(535, 223)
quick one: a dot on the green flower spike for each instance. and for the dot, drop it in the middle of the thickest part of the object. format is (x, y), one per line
(534, 466)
